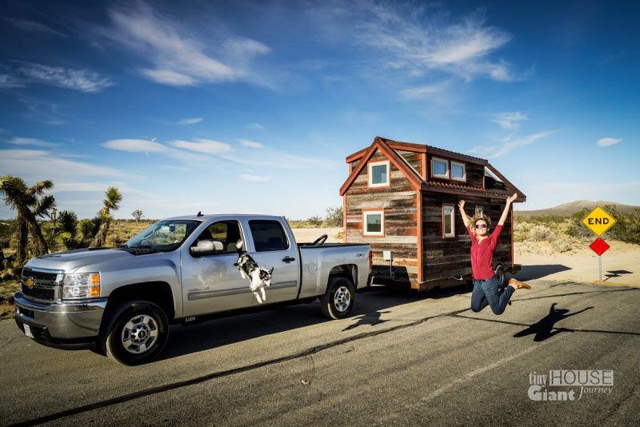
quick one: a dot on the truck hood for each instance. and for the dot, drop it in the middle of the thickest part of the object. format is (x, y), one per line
(70, 261)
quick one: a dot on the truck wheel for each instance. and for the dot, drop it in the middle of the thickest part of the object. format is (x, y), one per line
(137, 334)
(502, 278)
(339, 299)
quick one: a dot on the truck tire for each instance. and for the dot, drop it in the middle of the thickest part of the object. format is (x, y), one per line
(339, 299)
(138, 332)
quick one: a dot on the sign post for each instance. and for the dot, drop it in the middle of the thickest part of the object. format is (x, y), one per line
(599, 221)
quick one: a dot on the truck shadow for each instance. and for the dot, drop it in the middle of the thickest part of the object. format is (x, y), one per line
(224, 331)
(532, 272)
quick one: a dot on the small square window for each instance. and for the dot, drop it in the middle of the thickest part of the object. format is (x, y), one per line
(379, 174)
(374, 223)
(448, 221)
(458, 171)
(439, 168)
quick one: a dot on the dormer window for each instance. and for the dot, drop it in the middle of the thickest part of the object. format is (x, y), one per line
(458, 171)
(379, 174)
(439, 168)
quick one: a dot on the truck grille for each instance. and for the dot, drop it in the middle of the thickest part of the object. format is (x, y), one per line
(40, 284)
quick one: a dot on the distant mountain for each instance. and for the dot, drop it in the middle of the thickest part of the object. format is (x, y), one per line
(577, 206)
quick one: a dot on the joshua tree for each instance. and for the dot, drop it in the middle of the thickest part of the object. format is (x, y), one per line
(27, 204)
(111, 202)
(137, 214)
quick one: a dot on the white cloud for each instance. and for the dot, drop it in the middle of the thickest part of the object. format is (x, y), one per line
(9, 81)
(191, 121)
(250, 144)
(509, 120)
(31, 141)
(422, 92)
(423, 40)
(178, 59)
(81, 80)
(254, 178)
(206, 146)
(606, 142)
(508, 145)
(256, 126)
(169, 77)
(135, 145)
(35, 165)
(33, 27)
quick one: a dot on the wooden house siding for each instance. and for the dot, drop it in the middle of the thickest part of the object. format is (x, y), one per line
(445, 258)
(412, 205)
(399, 202)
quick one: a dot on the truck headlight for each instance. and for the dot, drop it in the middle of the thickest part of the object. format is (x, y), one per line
(81, 286)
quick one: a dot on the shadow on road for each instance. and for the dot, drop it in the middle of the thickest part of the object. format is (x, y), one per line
(544, 328)
(532, 272)
(224, 331)
(616, 273)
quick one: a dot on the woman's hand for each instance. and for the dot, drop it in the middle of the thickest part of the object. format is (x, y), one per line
(461, 204)
(512, 198)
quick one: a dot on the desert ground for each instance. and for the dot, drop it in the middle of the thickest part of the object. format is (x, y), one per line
(620, 264)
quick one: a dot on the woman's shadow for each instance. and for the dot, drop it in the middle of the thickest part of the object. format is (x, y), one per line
(545, 327)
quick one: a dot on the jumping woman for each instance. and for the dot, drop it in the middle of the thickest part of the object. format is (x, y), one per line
(483, 245)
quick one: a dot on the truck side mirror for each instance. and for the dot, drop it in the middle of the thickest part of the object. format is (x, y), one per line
(206, 247)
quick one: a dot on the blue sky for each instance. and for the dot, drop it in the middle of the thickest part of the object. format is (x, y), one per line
(252, 106)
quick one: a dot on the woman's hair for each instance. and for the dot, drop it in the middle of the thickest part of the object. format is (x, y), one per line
(477, 218)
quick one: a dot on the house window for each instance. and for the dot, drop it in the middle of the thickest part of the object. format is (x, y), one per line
(439, 168)
(379, 174)
(448, 221)
(458, 171)
(479, 212)
(373, 223)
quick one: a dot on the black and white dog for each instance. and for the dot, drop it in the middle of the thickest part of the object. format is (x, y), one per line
(249, 269)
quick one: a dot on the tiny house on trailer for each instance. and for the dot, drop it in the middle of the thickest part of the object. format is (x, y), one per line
(402, 199)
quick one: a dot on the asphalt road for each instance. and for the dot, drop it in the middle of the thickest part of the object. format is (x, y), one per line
(400, 360)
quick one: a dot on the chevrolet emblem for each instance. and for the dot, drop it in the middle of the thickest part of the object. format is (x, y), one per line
(29, 282)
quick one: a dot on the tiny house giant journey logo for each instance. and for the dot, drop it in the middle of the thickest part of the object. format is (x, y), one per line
(569, 385)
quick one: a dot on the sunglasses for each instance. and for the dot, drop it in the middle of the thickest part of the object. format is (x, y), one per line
(481, 225)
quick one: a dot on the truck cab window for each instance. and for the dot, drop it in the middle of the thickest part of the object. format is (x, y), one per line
(268, 236)
(227, 232)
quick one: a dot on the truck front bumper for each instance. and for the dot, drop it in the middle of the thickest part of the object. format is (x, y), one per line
(60, 324)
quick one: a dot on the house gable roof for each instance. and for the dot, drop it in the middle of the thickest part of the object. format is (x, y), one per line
(388, 148)
(381, 145)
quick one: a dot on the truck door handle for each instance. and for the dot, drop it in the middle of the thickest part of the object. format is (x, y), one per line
(288, 259)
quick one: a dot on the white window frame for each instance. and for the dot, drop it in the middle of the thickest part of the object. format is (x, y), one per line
(370, 173)
(438, 159)
(365, 216)
(464, 169)
(452, 217)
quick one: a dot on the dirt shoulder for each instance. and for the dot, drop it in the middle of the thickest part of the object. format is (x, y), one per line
(620, 264)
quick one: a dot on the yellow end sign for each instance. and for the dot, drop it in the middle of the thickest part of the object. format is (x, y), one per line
(598, 221)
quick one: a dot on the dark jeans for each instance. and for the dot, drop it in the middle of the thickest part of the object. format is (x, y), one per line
(486, 292)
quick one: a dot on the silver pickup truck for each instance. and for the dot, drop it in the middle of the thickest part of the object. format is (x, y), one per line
(121, 301)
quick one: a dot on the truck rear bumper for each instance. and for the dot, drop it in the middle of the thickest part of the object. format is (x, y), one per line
(65, 325)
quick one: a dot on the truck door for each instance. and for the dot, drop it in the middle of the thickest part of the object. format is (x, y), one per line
(273, 248)
(212, 283)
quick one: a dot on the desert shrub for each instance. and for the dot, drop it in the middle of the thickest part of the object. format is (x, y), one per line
(539, 233)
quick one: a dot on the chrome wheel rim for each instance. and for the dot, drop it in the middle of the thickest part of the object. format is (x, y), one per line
(342, 299)
(140, 334)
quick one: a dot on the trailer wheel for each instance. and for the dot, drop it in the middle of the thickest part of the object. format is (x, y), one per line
(339, 299)
(138, 332)
(502, 278)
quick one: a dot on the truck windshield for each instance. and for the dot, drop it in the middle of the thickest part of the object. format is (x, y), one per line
(163, 236)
